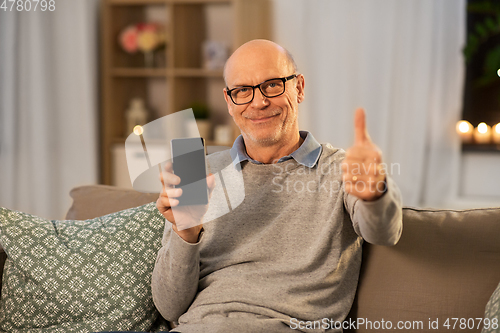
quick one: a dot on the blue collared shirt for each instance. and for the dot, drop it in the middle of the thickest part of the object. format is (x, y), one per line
(307, 154)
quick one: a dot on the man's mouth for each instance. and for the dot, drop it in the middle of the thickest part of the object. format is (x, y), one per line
(262, 118)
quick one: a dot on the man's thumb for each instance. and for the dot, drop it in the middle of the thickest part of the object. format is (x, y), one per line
(361, 135)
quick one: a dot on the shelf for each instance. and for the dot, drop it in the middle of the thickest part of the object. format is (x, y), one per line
(164, 72)
(472, 147)
(118, 141)
(138, 2)
(139, 72)
(163, 2)
(180, 80)
(196, 72)
(199, 2)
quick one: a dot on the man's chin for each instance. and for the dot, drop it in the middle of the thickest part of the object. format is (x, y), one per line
(264, 140)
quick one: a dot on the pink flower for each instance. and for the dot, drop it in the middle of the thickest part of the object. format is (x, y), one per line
(128, 39)
(144, 37)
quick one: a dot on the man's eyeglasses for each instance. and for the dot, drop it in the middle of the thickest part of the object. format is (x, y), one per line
(269, 88)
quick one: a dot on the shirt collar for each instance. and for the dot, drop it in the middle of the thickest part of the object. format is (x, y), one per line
(307, 154)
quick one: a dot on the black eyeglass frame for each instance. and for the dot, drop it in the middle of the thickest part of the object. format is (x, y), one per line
(284, 79)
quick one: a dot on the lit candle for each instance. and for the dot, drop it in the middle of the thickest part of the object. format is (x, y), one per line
(496, 133)
(465, 129)
(482, 133)
(138, 130)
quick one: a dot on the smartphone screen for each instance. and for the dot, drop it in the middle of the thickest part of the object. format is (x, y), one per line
(189, 164)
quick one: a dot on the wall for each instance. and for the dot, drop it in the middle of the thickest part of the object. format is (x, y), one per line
(479, 180)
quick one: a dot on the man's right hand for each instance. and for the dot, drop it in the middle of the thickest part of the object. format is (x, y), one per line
(187, 218)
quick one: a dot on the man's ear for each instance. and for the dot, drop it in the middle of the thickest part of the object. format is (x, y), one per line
(228, 102)
(300, 88)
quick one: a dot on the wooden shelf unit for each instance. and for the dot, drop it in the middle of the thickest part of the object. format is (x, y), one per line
(182, 80)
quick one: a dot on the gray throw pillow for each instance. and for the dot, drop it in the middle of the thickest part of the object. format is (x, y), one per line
(492, 314)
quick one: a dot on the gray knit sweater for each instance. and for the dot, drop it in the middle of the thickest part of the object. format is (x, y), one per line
(288, 254)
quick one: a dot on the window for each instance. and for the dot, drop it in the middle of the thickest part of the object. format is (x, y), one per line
(482, 83)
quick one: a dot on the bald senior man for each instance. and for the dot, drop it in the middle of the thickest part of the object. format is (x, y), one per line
(288, 257)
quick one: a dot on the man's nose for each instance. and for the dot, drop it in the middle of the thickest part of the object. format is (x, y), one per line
(259, 100)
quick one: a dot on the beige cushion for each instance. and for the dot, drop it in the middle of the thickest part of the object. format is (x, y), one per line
(445, 265)
(97, 200)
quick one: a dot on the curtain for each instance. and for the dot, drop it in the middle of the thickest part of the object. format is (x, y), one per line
(402, 62)
(48, 105)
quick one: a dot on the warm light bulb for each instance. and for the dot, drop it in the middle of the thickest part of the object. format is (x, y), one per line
(463, 126)
(138, 130)
(464, 130)
(498, 72)
(496, 134)
(482, 128)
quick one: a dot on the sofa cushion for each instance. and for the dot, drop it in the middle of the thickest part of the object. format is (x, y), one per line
(492, 313)
(91, 201)
(80, 276)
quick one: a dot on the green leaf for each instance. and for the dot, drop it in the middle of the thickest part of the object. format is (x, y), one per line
(492, 26)
(481, 30)
(471, 47)
(478, 6)
(485, 80)
(484, 7)
(492, 61)
(200, 110)
(473, 39)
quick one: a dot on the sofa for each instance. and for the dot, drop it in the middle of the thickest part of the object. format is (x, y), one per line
(439, 277)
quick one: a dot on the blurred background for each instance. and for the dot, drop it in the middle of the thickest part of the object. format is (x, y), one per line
(77, 76)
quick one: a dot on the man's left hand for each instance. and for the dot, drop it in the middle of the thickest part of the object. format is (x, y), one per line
(363, 171)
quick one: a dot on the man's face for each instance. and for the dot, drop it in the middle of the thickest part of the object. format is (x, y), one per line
(264, 121)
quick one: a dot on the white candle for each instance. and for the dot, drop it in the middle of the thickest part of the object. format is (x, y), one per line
(496, 133)
(464, 130)
(482, 133)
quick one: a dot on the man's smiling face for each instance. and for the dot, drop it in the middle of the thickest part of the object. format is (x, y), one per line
(264, 121)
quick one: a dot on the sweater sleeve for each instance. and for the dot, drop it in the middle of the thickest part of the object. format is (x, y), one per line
(176, 274)
(379, 222)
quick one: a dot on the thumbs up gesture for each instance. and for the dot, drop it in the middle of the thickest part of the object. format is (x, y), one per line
(363, 172)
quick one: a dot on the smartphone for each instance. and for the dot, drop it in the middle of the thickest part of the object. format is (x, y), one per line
(188, 160)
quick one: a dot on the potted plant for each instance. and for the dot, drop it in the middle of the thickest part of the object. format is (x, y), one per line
(485, 36)
(201, 114)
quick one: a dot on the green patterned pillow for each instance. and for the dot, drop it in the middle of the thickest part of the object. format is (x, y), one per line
(492, 313)
(80, 276)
